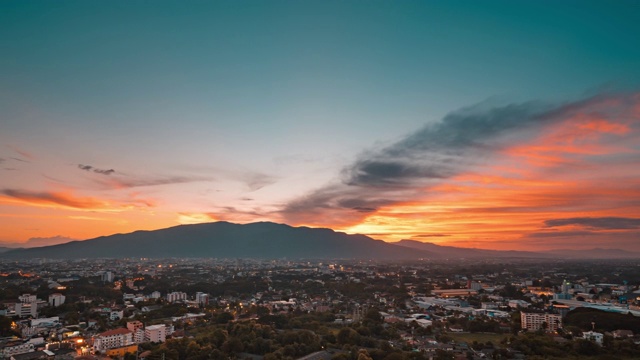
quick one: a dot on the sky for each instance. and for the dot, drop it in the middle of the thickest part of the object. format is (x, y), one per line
(496, 124)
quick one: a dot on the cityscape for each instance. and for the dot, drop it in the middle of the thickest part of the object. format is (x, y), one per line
(321, 309)
(319, 180)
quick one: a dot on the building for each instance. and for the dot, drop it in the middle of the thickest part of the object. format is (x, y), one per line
(514, 304)
(120, 352)
(593, 336)
(24, 310)
(155, 333)
(27, 298)
(56, 299)
(15, 347)
(137, 329)
(454, 292)
(115, 315)
(107, 276)
(202, 299)
(112, 339)
(176, 296)
(535, 321)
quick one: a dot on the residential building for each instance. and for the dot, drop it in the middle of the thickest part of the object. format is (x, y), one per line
(155, 333)
(176, 296)
(535, 321)
(111, 339)
(23, 309)
(137, 328)
(202, 299)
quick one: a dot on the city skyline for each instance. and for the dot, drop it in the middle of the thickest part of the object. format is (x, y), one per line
(497, 125)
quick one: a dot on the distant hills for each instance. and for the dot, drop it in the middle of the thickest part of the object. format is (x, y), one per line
(268, 240)
(226, 240)
(457, 252)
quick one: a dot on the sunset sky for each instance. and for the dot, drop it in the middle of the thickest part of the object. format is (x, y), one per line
(498, 124)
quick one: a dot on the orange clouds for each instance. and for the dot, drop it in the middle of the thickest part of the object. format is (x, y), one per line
(580, 163)
(67, 200)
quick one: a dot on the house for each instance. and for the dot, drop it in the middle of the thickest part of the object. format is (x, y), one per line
(593, 336)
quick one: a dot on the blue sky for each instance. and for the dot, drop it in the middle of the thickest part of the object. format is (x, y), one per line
(215, 103)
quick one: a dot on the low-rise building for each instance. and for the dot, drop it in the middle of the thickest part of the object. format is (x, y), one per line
(593, 336)
(113, 339)
(155, 333)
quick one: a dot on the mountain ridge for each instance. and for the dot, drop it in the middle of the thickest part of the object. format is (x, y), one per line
(226, 240)
(270, 240)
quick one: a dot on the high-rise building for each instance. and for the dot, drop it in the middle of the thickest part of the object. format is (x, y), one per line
(536, 321)
(176, 296)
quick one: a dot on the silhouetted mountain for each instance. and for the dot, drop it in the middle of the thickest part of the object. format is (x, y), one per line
(441, 251)
(4, 249)
(226, 240)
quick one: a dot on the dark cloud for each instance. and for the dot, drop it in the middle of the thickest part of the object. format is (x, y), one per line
(104, 172)
(431, 235)
(96, 170)
(428, 156)
(21, 160)
(463, 141)
(596, 223)
(129, 182)
(2, 160)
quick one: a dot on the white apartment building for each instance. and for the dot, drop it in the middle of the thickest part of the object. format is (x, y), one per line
(56, 299)
(202, 299)
(113, 339)
(155, 333)
(137, 328)
(535, 321)
(23, 309)
(176, 296)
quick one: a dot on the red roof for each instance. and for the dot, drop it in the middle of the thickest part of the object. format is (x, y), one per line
(119, 331)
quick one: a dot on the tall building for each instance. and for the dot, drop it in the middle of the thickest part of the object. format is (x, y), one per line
(176, 296)
(137, 328)
(107, 276)
(56, 299)
(535, 321)
(202, 299)
(155, 333)
(27, 309)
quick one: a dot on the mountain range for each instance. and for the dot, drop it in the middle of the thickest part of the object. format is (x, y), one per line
(268, 240)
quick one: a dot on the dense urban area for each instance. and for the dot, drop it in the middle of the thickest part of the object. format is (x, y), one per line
(197, 309)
